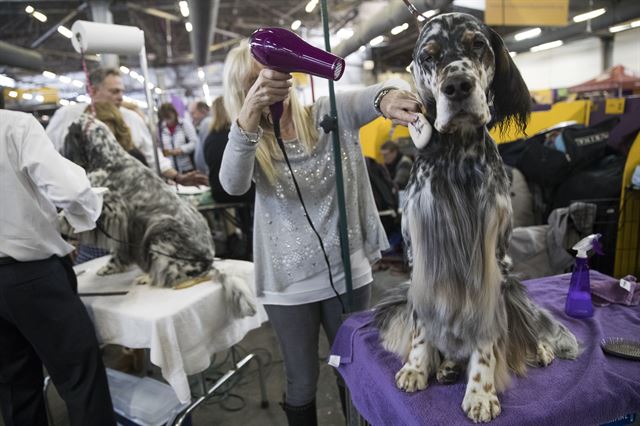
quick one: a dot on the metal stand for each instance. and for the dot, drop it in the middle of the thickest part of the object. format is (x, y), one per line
(331, 123)
(150, 112)
(222, 381)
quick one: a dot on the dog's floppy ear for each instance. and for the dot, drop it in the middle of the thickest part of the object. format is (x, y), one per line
(511, 98)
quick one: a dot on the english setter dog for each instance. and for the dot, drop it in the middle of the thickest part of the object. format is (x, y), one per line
(462, 308)
(143, 221)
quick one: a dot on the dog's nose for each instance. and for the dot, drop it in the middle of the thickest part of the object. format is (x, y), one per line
(458, 88)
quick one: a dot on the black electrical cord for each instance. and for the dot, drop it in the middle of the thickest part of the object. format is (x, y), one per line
(276, 131)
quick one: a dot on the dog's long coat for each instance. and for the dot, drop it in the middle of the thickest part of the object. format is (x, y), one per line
(143, 221)
(462, 307)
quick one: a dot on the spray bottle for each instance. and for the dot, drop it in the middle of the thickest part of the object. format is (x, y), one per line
(579, 298)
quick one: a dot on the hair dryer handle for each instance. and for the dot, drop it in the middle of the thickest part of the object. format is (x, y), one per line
(276, 111)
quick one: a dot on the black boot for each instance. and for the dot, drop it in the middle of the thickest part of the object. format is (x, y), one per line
(304, 415)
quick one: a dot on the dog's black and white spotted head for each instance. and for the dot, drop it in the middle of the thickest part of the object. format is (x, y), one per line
(90, 144)
(465, 75)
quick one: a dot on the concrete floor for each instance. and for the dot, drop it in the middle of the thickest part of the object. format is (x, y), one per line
(244, 409)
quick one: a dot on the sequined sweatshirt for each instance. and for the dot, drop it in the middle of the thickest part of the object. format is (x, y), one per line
(285, 249)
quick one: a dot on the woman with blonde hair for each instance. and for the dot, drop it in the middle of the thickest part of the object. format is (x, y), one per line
(291, 275)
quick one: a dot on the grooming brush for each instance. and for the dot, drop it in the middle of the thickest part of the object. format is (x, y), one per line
(623, 348)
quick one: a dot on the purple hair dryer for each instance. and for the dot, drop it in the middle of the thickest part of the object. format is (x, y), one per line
(282, 50)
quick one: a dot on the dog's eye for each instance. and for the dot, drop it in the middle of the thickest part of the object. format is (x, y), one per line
(426, 59)
(478, 44)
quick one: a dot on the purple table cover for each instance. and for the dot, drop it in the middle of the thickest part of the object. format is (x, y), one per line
(594, 389)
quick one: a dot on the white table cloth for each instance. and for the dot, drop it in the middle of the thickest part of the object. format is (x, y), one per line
(182, 328)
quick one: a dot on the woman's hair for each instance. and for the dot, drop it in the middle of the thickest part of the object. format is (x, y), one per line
(110, 115)
(167, 109)
(240, 72)
(219, 117)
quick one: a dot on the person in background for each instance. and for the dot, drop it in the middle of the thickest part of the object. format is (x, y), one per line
(108, 87)
(42, 319)
(398, 165)
(214, 147)
(178, 138)
(201, 119)
(112, 117)
(292, 278)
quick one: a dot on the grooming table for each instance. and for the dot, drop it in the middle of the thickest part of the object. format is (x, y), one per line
(181, 328)
(594, 389)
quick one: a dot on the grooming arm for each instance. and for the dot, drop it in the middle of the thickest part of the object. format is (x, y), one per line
(238, 163)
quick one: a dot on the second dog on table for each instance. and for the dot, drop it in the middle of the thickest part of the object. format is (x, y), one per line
(143, 221)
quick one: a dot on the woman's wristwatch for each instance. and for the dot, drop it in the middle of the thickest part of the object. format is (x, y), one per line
(378, 99)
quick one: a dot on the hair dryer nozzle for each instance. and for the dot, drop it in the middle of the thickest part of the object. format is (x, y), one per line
(282, 50)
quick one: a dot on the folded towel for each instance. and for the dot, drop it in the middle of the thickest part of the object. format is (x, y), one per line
(606, 290)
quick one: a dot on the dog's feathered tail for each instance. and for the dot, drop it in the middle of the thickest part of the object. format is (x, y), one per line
(237, 295)
(393, 318)
(530, 326)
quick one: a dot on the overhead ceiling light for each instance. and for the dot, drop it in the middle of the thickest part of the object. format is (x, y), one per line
(368, 65)
(344, 33)
(40, 98)
(64, 102)
(534, 32)
(618, 28)
(13, 94)
(29, 9)
(64, 79)
(310, 6)
(49, 74)
(65, 31)
(72, 102)
(547, 46)
(400, 28)
(77, 83)
(134, 74)
(184, 8)
(428, 14)
(362, 48)
(512, 54)
(188, 26)
(589, 15)
(635, 24)
(200, 73)
(27, 96)
(207, 95)
(376, 41)
(157, 90)
(296, 24)
(150, 85)
(39, 16)
(140, 79)
(83, 98)
(124, 69)
(7, 81)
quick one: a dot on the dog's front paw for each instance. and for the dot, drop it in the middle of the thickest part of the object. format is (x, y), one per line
(544, 354)
(481, 407)
(411, 379)
(144, 279)
(111, 268)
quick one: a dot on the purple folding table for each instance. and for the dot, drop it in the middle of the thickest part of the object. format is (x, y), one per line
(595, 389)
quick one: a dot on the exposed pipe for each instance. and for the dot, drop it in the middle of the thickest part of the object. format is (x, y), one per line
(389, 17)
(203, 15)
(54, 28)
(15, 56)
(620, 12)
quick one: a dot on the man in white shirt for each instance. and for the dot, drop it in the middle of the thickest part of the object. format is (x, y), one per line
(108, 87)
(42, 320)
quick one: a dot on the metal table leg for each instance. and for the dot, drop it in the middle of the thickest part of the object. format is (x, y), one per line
(220, 382)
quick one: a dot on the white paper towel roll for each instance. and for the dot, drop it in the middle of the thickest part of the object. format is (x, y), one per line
(95, 37)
